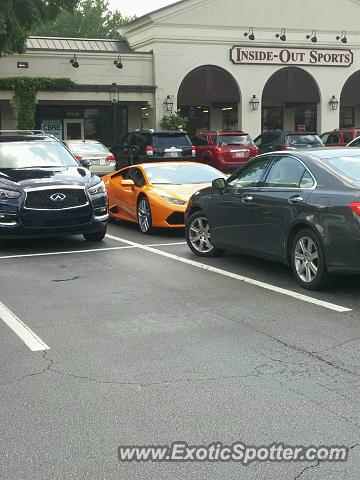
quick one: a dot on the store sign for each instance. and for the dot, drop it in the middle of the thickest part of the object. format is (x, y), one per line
(53, 127)
(291, 56)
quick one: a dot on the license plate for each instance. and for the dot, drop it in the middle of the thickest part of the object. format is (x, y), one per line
(173, 154)
(95, 161)
(240, 154)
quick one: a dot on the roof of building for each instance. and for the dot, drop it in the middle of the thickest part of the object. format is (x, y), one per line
(77, 45)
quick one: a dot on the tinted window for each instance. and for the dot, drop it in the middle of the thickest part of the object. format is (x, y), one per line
(348, 166)
(355, 143)
(136, 176)
(35, 154)
(285, 172)
(348, 136)
(333, 138)
(181, 174)
(269, 138)
(177, 140)
(199, 141)
(243, 140)
(250, 175)
(304, 140)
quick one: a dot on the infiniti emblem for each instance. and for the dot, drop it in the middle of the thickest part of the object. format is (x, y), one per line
(57, 197)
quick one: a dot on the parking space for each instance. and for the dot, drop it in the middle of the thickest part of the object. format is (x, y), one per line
(145, 347)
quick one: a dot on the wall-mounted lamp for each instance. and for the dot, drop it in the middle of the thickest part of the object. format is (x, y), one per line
(254, 103)
(250, 34)
(74, 62)
(118, 63)
(169, 103)
(281, 35)
(342, 37)
(312, 36)
(114, 93)
(333, 103)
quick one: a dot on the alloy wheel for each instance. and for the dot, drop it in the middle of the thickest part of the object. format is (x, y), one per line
(144, 215)
(306, 259)
(199, 235)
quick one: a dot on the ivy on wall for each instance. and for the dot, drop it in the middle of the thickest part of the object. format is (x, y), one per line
(25, 91)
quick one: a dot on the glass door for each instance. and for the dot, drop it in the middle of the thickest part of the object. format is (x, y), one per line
(74, 129)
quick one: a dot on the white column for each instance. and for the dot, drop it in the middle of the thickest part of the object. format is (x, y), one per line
(328, 119)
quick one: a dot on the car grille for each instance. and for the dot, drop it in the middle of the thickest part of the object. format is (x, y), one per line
(41, 199)
(30, 222)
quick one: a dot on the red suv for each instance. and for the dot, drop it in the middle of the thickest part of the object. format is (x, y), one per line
(340, 137)
(225, 151)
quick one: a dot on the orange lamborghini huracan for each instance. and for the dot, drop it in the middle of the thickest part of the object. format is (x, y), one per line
(156, 194)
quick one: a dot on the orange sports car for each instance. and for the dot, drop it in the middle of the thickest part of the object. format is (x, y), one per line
(156, 194)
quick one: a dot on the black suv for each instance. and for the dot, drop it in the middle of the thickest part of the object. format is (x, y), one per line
(44, 191)
(152, 146)
(273, 141)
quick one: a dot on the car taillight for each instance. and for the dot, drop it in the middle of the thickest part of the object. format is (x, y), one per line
(355, 207)
(78, 157)
(193, 151)
(110, 159)
(217, 150)
(149, 151)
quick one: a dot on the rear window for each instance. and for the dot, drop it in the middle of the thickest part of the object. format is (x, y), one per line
(346, 166)
(304, 140)
(234, 140)
(35, 154)
(178, 140)
(267, 138)
(87, 147)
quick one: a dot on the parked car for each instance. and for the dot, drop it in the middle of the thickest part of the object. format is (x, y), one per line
(102, 161)
(277, 140)
(153, 146)
(354, 143)
(300, 208)
(155, 194)
(45, 192)
(224, 150)
(339, 137)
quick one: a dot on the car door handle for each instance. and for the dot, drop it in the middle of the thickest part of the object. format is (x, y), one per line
(247, 198)
(295, 199)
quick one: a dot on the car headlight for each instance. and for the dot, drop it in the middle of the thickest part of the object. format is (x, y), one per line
(175, 201)
(98, 188)
(8, 194)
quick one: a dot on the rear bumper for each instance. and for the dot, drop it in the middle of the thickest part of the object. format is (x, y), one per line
(102, 169)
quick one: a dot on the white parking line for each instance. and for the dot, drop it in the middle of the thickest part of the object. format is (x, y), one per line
(165, 244)
(66, 253)
(267, 286)
(22, 331)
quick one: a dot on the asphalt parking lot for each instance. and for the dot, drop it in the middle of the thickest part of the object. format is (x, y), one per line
(135, 341)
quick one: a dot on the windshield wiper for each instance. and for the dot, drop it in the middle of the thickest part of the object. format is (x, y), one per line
(40, 166)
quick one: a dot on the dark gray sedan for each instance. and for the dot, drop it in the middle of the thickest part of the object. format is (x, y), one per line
(299, 208)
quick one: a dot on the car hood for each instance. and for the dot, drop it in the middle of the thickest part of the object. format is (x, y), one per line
(39, 177)
(181, 192)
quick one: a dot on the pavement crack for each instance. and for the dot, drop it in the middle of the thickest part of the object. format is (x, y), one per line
(34, 374)
(306, 469)
(76, 277)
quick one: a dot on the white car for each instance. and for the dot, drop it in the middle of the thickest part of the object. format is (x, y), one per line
(354, 143)
(102, 160)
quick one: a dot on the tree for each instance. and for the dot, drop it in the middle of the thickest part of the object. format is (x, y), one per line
(18, 17)
(172, 121)
(91, 19)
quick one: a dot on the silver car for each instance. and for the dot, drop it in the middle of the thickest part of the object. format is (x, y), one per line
(102, 160)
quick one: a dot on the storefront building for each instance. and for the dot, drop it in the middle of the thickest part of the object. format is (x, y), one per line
(229, 64)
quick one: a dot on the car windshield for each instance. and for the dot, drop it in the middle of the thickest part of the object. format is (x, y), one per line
(34, 154)
(229, 140)
(164, 140)
(304, 140)
(346, 166)
(181, 174)
(87, 148)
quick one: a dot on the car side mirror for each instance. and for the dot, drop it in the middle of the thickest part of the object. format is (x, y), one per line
(127, 183)
(84, 162)
(219, 183)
